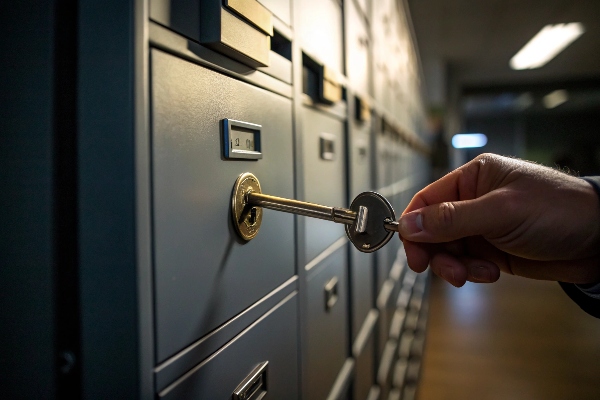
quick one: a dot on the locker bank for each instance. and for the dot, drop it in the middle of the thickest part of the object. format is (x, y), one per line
(146, 114)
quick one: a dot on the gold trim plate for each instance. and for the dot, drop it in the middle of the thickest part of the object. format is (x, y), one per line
(246, 220)
(254, 12)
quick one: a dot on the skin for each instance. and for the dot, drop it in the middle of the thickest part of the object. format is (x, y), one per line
(497, 214)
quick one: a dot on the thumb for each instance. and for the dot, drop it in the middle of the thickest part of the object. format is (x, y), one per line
(449, 221)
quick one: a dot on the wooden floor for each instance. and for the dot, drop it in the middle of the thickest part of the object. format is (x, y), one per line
(514, 339)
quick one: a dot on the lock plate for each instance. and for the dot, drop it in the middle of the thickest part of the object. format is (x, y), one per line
(246, 219)
(375, 236)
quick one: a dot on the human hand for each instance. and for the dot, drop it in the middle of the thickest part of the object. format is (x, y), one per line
(500, 214)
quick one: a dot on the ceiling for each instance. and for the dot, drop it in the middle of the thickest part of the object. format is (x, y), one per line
(472, 41)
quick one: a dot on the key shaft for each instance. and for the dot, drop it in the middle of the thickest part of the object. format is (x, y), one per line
(334, 214)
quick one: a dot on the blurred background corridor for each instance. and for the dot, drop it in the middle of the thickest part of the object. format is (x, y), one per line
(515, 339)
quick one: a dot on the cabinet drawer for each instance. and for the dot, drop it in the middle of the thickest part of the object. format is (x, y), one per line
(204, 274)
(358, 51)
(320, 30)
(327, 324)
(324, 175)
(271, 340)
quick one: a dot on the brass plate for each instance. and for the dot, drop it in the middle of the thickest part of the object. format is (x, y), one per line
(254, 12)
(246, 219)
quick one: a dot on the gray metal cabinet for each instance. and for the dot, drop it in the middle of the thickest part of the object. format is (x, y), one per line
(203, 273)
(271, 339)
(320, 29)
(324, 161)
(327, 324)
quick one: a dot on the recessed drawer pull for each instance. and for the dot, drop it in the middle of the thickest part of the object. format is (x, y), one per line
(254, 386)
(331, 293)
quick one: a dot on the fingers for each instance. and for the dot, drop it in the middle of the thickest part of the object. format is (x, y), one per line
(458, 271)
(446, 262)
(453, 220)
(460, 184)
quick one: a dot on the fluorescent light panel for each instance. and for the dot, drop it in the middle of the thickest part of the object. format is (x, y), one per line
(468, 140)
(544, 46)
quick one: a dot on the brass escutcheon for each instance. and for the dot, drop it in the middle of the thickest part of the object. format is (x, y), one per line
(246, 219)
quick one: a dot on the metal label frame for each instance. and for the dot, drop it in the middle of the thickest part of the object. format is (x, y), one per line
(229, 152)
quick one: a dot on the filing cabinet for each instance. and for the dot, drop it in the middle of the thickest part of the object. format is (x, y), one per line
(319, 100)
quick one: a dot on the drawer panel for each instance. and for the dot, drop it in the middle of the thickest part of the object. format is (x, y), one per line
(361, 284)
(365, 369)
(324, 175)
(358, 61)
(327, 325)
(272, 339)
(321, 32)
(360, 155)
(204, 274)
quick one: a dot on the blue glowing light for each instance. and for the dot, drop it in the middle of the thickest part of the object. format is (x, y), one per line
(468, 140)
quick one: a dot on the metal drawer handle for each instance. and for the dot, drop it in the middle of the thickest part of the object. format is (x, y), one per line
(254, 386)
(327, 146)
(331, 293)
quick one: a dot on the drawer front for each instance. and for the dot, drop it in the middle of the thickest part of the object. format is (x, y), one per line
(365, 370)
(320, 31)
(360, 159)
(182, 16)
(324, 176)
(384, 159)
(358, 50)
(204, 274)
(361, 281)
(327, 324)
(272, 339)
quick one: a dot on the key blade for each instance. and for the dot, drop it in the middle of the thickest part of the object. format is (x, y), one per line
(361, 219)
(391, 226)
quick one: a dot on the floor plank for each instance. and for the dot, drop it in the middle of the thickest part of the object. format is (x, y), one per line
(515, 339)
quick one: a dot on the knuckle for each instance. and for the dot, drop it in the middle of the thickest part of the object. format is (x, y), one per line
(446, 214)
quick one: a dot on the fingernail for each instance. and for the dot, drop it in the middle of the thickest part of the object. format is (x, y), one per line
(481, 273)
(411, 223)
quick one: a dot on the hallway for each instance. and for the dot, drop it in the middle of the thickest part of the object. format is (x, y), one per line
(515, 339)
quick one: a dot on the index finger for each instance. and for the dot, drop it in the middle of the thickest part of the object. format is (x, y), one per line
(460, 184)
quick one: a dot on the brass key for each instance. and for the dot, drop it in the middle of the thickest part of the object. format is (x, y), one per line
(370, 221)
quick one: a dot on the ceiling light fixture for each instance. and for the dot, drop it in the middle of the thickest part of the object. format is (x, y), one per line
(544, 46)
(555, 99)
(468, 140)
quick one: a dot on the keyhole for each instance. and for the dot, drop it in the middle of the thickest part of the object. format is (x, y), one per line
(253, 216)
